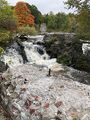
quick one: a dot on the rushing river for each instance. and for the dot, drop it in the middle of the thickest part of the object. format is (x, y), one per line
(32, 53)
(35, 54)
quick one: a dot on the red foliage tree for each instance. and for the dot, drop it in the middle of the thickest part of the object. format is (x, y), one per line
(23, 14)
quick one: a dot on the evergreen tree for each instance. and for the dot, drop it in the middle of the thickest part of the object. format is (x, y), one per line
(36, 13)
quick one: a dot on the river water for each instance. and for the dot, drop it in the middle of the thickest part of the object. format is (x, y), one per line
(36, 54)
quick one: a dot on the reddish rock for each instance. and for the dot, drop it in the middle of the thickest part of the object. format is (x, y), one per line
(58, 104)
(1, 77)
(32, 110)
(46, 105)
(28, 104)
(38, 98)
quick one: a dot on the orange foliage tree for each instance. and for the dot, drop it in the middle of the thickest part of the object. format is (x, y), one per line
(24, 16)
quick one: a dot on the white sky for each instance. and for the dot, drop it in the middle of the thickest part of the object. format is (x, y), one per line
(45, 6)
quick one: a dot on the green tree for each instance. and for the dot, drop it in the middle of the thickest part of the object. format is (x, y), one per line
(7, 18)
(62, 21)
(72, 23)
(7, 24)
(84, 24)
(50, 20)
(83, 16)
(57, 22)
(36, 13)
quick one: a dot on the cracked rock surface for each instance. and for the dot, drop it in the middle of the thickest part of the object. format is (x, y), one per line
(29, 94)
(3, 114)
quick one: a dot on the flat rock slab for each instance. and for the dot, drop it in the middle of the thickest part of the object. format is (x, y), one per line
(30, 94)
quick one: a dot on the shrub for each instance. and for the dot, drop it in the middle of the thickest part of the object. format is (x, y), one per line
(83, 63)
(27, 30)
(1, 50)
(64, 59)
(8, 24)
(50, 41)
(5, 38)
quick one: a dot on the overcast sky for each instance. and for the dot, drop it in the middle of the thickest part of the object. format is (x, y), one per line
(45, 6)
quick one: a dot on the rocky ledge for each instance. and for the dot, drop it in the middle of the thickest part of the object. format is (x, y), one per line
(68, 50)
(28, 93)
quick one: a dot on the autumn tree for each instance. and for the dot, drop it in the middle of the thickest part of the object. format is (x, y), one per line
(23, 14)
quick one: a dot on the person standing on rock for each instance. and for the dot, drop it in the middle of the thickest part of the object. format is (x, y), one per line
(7, 66)
(49, 72)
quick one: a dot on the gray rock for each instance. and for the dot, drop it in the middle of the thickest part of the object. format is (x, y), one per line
(43, 98)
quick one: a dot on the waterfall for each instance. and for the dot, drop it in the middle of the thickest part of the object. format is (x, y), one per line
(29, 52)
(11, 56)
(34, 53)
(85, 48)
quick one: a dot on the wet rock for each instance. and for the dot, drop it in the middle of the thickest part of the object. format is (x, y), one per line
(21, 50)
(23, 37)
(40, 50)
(2, 66)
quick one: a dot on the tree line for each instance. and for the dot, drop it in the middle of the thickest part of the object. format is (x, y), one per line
(82, 8)
(60, 22)
(25, 17)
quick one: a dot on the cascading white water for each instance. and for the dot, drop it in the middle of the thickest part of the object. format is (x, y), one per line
(35, 54)
(37, 38)
(12, 58)
(85, 48)
(32, 52)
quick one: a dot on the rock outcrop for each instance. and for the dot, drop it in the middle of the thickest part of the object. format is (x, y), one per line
(29, 94)
(21, 48)
(67, 49)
